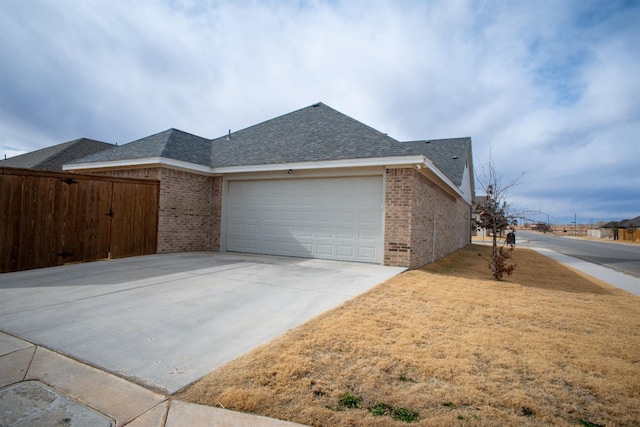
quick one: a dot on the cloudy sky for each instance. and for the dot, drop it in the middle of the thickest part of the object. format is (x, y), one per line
(548, 89)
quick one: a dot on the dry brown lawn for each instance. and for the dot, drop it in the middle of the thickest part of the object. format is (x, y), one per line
(547, 346)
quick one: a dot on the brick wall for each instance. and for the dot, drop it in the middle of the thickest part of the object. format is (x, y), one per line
(190, 208)
(397, 217)
(189, 212)
(413, 205)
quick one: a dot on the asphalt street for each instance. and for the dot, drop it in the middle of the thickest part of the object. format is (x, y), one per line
(614, 263)
(621, 257)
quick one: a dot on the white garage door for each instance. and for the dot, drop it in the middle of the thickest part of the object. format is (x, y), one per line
(330, 218)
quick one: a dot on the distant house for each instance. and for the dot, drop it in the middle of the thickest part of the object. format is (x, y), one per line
(476, 211)
(312, 183)
(53, 158)
(627, 229)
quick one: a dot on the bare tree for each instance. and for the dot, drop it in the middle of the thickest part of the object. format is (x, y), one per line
(496, 216)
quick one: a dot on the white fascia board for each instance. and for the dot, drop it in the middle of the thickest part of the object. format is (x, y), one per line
(428, 164)
(418, 161)
(178, 164)
(329, 164)
(146, 162)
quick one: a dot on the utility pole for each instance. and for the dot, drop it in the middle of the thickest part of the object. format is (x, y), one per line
(575, 224)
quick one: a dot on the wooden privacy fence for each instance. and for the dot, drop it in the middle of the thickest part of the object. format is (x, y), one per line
(53, 218)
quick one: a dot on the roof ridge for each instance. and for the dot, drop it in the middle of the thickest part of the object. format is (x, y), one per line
(67, 146)
(437, 139)
(186, 133)
(360, 123)
(317, 104)
(58, 148)
(165, 140)
(70, 146)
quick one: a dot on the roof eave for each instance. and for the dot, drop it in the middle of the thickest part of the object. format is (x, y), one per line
(388, 162)
(428, 169)
(420, 162)
(138, 163)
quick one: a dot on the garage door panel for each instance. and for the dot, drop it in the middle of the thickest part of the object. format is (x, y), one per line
(267, 230)
(237, 242)
(325, 250)
(367, 234)
(238, 214)
(368, 218)
(345, 216)
(369, 201)
(345, 251)
(347, 200)
(238, 229)
(325, 233)
(306, 200)
(366, 252)
(345, 233)
(252, 229)
(334, 218)
(306, 214)
(306, 232)
(325, 216)
(325, 200)
(252, 215)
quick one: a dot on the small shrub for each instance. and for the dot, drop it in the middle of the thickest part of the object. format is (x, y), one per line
(449, 404)
(406, 415)
(586, 423)
(380, 409)
(499, 263)
(350, 401)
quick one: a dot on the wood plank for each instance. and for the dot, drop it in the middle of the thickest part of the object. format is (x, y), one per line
(87, 227)
(44, 215)
(10, 218)
(135, 219)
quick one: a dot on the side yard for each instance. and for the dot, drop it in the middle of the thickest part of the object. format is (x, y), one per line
(446, 345)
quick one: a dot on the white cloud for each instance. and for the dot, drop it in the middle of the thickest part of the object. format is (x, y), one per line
(550, 86)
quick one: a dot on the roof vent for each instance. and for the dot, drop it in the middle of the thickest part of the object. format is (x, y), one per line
(229, 136)
(316, 105)
(455, 157)
(427, 142)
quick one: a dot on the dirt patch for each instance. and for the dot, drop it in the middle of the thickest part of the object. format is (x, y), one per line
(448, 345)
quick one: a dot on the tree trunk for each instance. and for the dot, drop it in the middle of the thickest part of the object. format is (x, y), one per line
(494, 256)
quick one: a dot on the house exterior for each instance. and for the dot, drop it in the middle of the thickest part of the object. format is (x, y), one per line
(53, 158)
(312, 183)
(627, 229)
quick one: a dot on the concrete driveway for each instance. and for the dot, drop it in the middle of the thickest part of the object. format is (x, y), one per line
(164, 321)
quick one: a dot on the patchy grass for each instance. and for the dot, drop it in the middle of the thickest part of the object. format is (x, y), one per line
(446, 345)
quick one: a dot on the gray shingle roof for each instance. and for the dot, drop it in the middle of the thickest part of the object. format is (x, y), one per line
(449, 155)
(52, 158)
(320, 133)
(630, 223)
(314, 133)
(171, 144)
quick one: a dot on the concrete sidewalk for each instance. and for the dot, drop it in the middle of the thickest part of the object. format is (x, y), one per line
(119, 337)
(620, 280)
(81, 395)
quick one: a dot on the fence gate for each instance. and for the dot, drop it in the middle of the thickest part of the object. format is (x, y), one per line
(52, 218)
